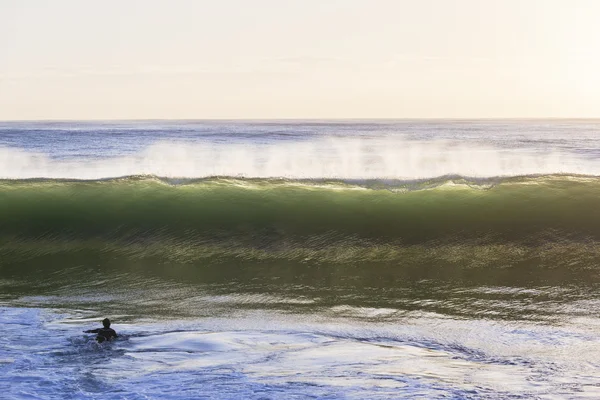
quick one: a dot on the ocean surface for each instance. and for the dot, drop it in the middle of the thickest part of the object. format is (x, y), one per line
(300, 259)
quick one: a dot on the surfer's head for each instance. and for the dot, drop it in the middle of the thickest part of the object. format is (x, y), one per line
(106, 322)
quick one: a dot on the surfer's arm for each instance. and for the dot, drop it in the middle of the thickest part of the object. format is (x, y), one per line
(92, 331)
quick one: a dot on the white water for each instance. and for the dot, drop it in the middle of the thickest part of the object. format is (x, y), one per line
(268, 355)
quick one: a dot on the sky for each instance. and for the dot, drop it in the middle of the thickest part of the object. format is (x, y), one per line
(299, 59)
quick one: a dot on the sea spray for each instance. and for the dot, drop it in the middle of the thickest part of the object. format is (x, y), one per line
(330, 158)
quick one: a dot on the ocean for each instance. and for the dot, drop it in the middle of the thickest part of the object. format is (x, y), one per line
(300, 259)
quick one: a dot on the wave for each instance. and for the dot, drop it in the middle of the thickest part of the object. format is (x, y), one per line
(448, 219)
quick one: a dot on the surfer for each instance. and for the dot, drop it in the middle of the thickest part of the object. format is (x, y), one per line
(106, 333)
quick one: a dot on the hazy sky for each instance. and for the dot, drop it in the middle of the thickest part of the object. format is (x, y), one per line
(73, 59)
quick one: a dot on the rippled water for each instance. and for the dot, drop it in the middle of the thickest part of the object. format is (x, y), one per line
(210, 334)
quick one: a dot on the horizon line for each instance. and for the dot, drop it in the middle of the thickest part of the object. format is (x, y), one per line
(334, 119)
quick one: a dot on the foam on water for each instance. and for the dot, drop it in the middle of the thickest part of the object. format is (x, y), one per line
(283, 356)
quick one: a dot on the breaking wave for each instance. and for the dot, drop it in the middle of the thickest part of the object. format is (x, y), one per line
(471, 221)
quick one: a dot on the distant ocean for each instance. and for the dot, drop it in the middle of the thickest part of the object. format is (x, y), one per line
(300, 259)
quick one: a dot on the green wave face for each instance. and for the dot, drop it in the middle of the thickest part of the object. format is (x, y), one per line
(451, 221)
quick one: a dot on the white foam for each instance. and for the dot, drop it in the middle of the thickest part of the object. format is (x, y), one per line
(354, 158)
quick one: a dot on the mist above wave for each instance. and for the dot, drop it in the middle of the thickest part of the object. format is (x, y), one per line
(348, 158)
